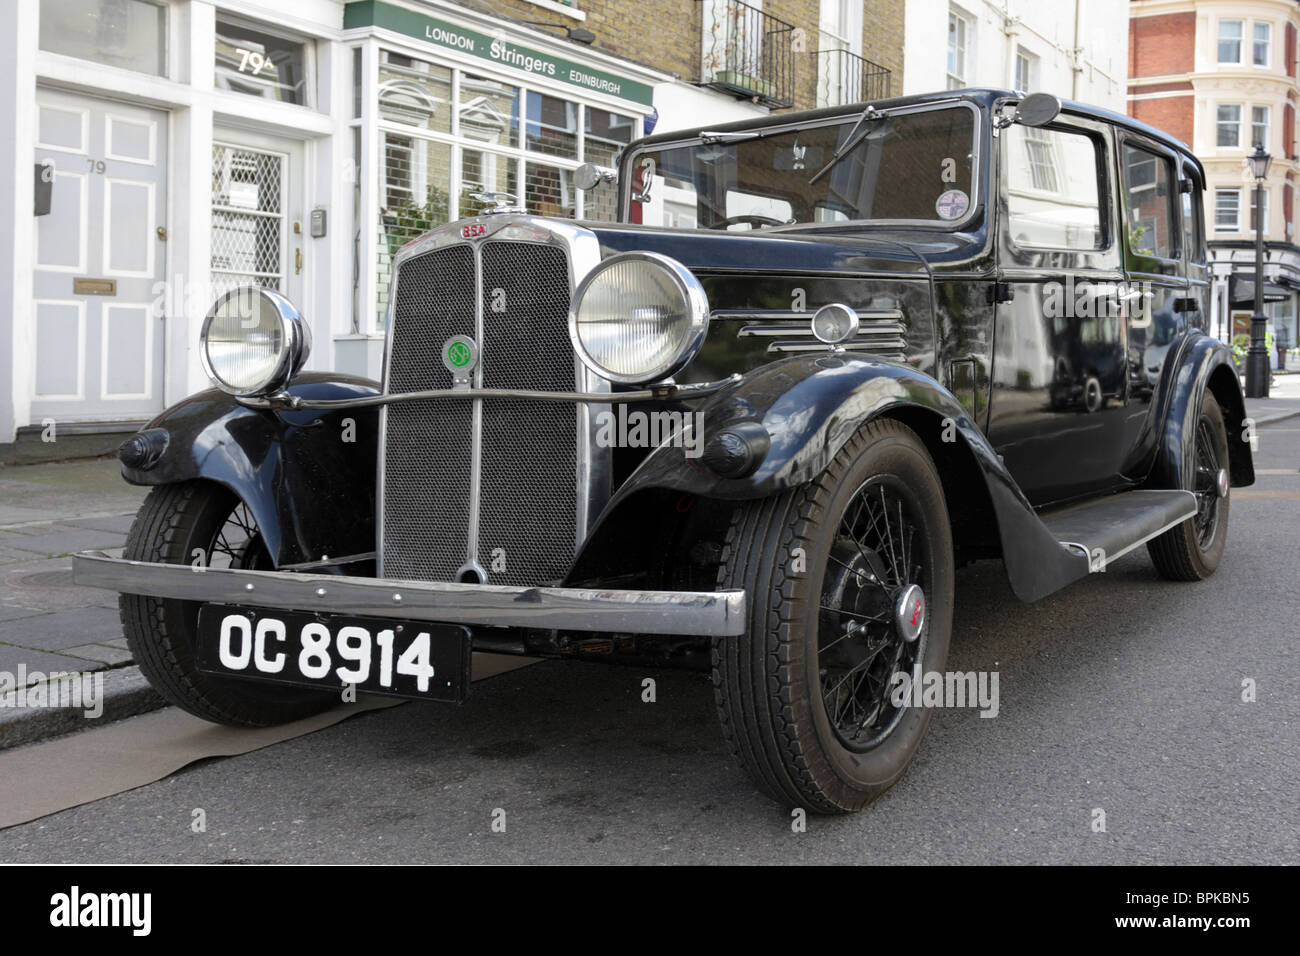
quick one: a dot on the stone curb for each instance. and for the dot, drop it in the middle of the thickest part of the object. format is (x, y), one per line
(126, 693)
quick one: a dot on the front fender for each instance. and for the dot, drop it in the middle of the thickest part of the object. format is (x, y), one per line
(812, 405)
(308, 477)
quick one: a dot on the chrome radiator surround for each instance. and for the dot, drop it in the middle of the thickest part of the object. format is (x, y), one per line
(591, 484)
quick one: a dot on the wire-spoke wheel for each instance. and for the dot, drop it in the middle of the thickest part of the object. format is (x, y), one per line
(1192, 551)
(850, 583)
(200, 523)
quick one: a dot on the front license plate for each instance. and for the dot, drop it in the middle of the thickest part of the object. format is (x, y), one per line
(329, 652)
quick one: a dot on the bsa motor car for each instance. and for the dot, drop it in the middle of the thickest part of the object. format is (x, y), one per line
(914, 334)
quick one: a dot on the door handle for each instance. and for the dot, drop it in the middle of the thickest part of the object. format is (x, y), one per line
(297, 262)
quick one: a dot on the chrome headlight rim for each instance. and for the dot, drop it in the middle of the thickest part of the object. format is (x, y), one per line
(297, 343)
(697, 304)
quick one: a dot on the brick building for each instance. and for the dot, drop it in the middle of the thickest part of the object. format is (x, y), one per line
(1221, 76)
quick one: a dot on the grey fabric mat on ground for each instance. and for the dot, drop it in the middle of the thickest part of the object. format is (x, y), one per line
(68, 771)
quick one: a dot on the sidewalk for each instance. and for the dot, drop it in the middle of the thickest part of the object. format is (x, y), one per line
(1283, 399)
(48, 624)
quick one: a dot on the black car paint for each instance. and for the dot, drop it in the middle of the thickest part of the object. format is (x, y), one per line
(313, 495)
(308, 477)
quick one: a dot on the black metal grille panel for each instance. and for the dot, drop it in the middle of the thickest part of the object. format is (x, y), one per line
(427, 445)
(528, 470)
(529, 473)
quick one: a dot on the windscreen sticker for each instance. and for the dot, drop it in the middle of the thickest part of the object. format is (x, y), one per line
(952, 204)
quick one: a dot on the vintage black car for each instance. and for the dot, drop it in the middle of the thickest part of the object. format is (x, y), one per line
(875, 343)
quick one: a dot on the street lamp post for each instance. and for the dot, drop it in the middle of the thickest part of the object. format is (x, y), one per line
(1257, 354)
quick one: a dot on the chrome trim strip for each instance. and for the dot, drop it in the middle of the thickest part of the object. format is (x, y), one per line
(476, 427)
(657, 393)
(856, 346)
(865, 315)
(703, 613)
(782, 329)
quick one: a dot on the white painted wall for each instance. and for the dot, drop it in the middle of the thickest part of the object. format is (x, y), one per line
(682, 106)
(1046, 29)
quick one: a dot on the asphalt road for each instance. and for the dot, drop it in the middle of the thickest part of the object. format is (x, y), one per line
(1122, 693)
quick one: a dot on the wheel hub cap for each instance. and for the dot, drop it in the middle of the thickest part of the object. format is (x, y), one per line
(909, 612)
(1221, 482)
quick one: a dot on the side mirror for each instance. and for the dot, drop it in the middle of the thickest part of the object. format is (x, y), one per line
(1036, 109)
(589, 176)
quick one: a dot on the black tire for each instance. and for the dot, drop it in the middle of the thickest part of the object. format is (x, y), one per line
(174, 522)
(771, 684)
(1192, 550)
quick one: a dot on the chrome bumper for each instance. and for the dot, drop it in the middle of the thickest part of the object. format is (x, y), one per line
(703, 613)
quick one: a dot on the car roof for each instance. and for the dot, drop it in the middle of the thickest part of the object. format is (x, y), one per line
(987, 97)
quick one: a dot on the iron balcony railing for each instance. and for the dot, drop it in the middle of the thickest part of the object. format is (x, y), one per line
(844, 77)
(747, 52)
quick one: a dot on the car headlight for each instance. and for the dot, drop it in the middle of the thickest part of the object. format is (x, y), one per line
(253, 342)
(638, 317)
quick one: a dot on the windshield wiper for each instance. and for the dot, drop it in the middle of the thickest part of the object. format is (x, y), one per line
(711, 137)
(870, 113)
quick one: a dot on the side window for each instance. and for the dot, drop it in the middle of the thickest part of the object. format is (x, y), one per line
(1193, 224)
(1052, 188)
(1148, 212)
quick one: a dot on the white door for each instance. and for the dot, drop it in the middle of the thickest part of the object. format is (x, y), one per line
(258, 233)
(100, 260)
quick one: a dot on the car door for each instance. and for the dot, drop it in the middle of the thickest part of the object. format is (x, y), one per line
(1159, 303)
(1059, 382)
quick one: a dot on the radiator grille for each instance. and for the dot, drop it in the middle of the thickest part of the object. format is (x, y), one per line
(529, 477)
(528, 471)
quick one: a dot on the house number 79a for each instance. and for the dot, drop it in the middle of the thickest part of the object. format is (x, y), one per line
(250, 61)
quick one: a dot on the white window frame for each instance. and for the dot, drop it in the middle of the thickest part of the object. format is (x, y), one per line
(309, 97)
(1030, 78)
(1240, 107)
(1236, 222)
(1267, 124)
(1240, 41)
(1268, 44)
(965, 34)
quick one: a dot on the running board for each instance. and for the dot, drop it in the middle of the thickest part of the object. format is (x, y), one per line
(1105, 529)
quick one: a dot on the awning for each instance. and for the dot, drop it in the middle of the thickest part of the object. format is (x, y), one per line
(1241, 291)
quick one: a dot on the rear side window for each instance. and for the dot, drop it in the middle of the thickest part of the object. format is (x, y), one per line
(1053, 190)
(1148, 212)
(1192, 225)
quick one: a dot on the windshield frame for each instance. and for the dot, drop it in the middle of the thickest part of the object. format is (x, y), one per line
(979, 169)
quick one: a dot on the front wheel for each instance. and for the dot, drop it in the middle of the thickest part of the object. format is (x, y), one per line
(850, 588)
(187, 523)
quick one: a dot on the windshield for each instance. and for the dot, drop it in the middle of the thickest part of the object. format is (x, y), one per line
(909, 165)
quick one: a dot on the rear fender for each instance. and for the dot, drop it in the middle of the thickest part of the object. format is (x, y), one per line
(308, 477)
(1204, 363)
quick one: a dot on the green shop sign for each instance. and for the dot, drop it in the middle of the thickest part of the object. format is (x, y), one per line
(440, 33)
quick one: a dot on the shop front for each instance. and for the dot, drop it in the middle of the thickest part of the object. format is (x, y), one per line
(164, 152)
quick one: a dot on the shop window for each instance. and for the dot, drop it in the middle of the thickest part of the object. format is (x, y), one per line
(548, 191)
(489, 110)
(483, 171)
(261, 64)
(131, 34)
(604, 134)
(552, 125)
(415, 194)
(414, 92)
